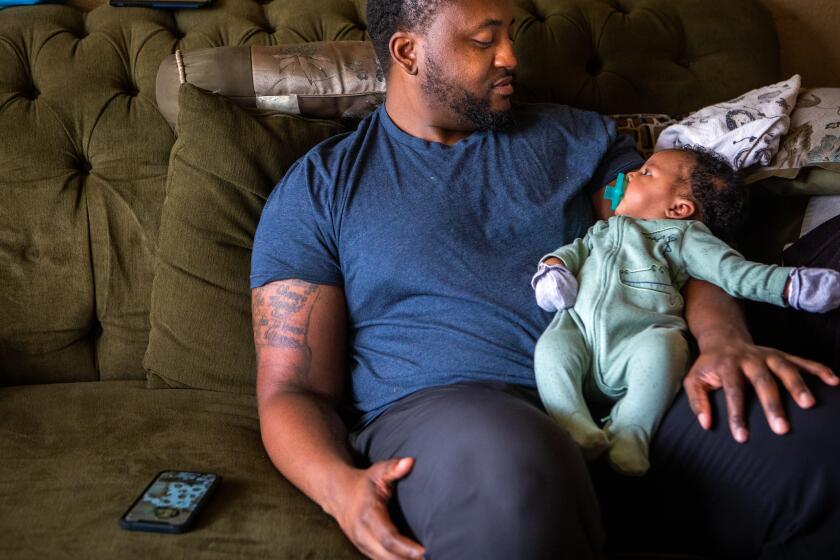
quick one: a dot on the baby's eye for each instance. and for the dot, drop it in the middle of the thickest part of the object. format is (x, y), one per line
(645, 171)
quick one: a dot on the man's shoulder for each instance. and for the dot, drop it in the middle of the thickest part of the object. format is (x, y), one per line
(555, 119)
(556, 112)
(329, 154)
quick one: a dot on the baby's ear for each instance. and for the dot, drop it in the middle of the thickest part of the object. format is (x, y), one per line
(683, 209)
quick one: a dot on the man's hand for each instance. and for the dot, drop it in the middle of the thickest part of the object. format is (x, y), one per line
(728, 355)
(363, 512)
(726, 364)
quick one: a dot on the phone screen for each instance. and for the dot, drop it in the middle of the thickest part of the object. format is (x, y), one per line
(171, 498)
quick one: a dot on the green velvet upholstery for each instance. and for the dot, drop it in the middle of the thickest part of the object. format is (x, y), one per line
(84, 229)
(77, 96)
(75, 455)
(224, 165)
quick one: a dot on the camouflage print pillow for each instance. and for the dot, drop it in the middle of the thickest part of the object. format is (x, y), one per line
(644, 129)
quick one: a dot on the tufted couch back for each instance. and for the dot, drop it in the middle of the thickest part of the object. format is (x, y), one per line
(84, 150)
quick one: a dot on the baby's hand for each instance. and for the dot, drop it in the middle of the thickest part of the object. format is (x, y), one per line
(813, 289)
(554, 286)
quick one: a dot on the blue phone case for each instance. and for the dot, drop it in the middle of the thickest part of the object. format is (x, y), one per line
(171, 502)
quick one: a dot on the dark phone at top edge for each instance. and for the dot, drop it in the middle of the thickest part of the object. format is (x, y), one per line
(165, 4)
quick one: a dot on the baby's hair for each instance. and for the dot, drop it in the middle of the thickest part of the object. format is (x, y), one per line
(719, 191)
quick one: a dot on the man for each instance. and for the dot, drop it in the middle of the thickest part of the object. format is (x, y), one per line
(394, 262)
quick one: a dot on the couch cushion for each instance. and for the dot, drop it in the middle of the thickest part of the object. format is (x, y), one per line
(83, 158)
(75, 455)
(223, 166)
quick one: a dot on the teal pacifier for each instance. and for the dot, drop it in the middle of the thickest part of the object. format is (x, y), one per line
(616, 193)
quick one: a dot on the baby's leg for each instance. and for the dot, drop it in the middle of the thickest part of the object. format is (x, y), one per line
(654, 367)
(561, 362)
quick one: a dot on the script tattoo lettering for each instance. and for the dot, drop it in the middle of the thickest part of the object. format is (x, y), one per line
(281, 314)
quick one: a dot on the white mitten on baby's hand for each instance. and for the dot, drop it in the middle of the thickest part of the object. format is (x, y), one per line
(554, 286)
(814, 289)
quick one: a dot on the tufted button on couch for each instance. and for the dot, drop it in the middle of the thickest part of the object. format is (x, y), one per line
(84, 154)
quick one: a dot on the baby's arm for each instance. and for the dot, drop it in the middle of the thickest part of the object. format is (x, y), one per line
(555, 285)
(710, 259)
(571, 256)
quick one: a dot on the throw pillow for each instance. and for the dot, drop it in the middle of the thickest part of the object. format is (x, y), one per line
(644, 128)
(814, 136)
(223, 166)
(329, 79)
(745, 130)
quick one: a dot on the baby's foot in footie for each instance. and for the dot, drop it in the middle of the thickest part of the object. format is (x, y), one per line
(629, 451)
(591, 439)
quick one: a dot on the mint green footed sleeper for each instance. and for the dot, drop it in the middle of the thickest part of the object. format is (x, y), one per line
(624, 339)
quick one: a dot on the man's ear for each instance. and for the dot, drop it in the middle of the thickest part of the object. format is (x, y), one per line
(403, 47)
(682, 208)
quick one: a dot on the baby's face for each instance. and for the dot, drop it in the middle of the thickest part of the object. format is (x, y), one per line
(658, 188)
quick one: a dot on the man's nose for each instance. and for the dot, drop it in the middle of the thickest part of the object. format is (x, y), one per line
(505, 57)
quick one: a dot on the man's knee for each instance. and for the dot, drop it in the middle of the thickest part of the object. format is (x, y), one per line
(502, 481)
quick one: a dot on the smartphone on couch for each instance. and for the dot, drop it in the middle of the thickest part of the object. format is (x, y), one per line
(170, 502)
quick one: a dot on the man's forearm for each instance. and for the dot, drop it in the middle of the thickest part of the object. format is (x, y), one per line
(306, 441)
(299, 333)
(713, 316)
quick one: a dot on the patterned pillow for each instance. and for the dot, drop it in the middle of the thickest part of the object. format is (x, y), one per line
(813, 139)
(644, 129)
(328, 79)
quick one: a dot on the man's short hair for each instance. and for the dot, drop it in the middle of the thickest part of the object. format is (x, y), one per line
(719, 191)
(386, 17)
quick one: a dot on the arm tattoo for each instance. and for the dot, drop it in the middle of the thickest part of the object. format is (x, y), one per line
(281, 313)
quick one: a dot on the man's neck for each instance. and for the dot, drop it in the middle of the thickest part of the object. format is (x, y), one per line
(415, 119)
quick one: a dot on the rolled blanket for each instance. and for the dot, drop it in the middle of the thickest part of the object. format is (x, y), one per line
(745, 130)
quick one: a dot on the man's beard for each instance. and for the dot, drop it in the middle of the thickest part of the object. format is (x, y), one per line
(469, 108)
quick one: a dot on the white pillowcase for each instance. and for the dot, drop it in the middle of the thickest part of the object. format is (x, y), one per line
(745, 130)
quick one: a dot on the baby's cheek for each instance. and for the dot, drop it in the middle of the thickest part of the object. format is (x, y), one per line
(626, 205)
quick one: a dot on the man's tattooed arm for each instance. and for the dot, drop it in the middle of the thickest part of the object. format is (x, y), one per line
(285, 333)
(300, 332)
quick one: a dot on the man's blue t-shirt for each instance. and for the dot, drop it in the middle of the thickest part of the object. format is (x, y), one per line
(435, 245)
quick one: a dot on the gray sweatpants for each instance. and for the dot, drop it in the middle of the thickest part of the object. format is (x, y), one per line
(494, 476)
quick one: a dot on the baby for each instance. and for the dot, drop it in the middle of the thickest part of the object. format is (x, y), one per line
(618, 335)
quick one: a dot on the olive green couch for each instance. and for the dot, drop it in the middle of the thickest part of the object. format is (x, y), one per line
(92, 260)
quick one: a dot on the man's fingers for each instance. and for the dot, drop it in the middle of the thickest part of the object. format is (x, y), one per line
(387, 537)
(698, 400)
(815, 368)
(768, 394)
(733, 389)
(396, 469)
(381, 538)
(377, 537)
(792, 380)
